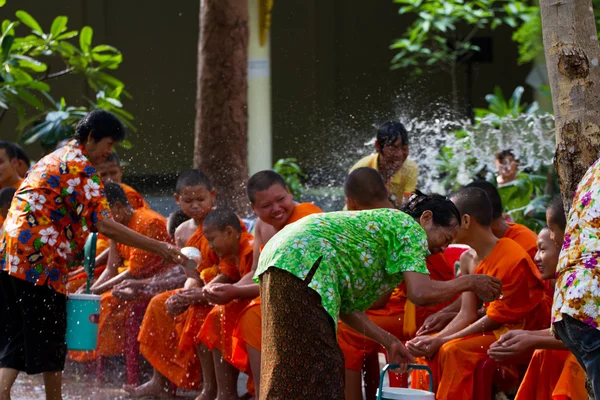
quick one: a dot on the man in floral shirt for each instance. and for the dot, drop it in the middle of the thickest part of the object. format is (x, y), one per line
(576, 307)
(60, 202)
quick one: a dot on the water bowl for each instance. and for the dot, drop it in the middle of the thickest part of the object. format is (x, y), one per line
(194, 255)
(404, 394)
(83, 314)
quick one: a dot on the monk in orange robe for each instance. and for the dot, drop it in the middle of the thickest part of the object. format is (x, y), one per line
(524, 304)
(525, 237)
(224, 233)
(6, 196)
(275, 208)
(553, 372)
(112, 171)
(166, 314)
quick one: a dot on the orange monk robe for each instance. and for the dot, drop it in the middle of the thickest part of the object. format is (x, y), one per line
(135, 199)
(399, 317)
(545, 370)
(248, 328)
(141, 264)
(524, 236)
(571, 383)
(217, 330)
(524, 305)
(161, 332)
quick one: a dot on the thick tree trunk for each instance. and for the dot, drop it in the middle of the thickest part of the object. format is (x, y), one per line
(221, 145)
(572, 57)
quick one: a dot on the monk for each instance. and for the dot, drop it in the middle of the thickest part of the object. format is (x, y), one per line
(275, 208)
(365, 190)
(6, 196)
(524, 236)
(553, 372)
(166, 314)
(525, 304)
(112, 171)
(234, 247)
(23, 160)
(9, 175)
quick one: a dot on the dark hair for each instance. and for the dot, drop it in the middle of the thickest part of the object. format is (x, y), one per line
(263, 180)
(474, 202)
(114, 157)
(175, 219)
(557, 212)
(390, 131)
(365, 186)
(115, 193)
(221, 218)
(192, 177)
(9, 148)
(20, 154)
(444, 211)
(493, 194)
(501, 155)
(99, 124)
(6, 196)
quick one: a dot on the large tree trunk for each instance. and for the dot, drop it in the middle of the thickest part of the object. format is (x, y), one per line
(572, 57)
(221, 145)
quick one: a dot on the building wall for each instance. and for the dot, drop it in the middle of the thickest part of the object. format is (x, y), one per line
(331, 80)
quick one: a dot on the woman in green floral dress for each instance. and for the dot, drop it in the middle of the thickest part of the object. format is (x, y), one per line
(334, 266)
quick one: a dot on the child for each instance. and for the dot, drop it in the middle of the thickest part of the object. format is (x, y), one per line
(6, 196)
(234, 247)
(9, 177)
(112, 171)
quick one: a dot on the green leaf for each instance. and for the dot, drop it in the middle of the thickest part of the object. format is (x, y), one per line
(126, 144)
(67, 35)
(85, 38)
(30, 63)
(105, 47)
(2, 3)
(6, 45)
(28, 20)
(59, 25)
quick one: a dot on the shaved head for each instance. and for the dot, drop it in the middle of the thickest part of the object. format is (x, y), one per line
(493, 195)
(365, 187)
(474, 202)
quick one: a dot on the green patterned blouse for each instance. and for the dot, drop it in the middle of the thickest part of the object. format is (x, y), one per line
(364, 255)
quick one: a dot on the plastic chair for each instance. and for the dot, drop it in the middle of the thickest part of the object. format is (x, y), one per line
(484, 377)
(132, 350)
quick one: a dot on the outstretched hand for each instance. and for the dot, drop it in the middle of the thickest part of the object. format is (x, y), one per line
(511, 344)
(219, 293)
(488, 288)
(398, 354)
(436, 322)
(424, 346)
(171, 254)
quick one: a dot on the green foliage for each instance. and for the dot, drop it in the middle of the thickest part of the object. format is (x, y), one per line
(499, 107)
(292, 174)
(442, 32)
(25, 74)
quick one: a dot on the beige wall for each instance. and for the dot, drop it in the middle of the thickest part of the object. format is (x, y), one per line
(330, 74)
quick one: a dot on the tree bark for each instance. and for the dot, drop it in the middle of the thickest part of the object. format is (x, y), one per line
(572, 58)
(221, 131)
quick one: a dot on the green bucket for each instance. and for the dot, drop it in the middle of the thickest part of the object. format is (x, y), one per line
(83, 313)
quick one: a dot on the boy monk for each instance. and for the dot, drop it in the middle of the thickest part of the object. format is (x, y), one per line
(525, 304)
(553, 372)
(365, 190)
(112, 171)
(23, 160)
(223, 231)
(6, 196)
(525, 237)
(162, 326)
(9, 177)
(275, 208)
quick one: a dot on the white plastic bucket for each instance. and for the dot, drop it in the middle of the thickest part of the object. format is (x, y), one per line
(82, 321)
(405, 394)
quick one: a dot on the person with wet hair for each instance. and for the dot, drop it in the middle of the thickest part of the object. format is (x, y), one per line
(463, 343)
(391, 161)
(112, 171)
(9, 175)
(23, 160)
(60, 202)
(556, 220)
(336, 265)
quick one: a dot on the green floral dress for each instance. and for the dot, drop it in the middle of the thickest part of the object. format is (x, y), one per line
(364, 255)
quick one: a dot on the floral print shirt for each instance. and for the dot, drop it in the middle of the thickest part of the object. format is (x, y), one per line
(364, 255)
(51, 217)
(577, 292)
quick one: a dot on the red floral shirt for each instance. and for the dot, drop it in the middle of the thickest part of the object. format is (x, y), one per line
(51, 217)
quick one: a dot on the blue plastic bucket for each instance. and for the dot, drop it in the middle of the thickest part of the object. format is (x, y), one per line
(83, 312)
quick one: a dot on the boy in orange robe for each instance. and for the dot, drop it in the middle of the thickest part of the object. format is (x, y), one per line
(524, 305)
(524, 236)
(112, 171)
(275, 208)
(162, 326)
(223, 231)
(365, 190)
(553, 372)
